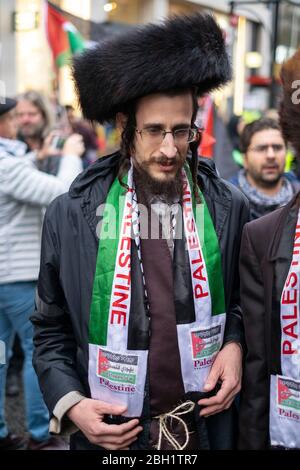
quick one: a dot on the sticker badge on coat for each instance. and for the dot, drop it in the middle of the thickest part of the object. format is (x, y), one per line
(288, 397)
(117, 371)
(206, 343)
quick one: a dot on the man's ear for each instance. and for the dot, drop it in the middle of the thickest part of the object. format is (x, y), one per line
(121, 121)
(245, 161)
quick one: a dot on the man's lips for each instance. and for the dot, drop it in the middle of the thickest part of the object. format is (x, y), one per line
(271, 168)
(166, 166)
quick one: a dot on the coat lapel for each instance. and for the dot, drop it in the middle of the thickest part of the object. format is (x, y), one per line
(275, 268)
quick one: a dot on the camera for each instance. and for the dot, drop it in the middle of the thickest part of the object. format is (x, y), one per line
(57, 142)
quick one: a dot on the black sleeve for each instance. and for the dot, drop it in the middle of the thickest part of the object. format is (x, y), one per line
(254, 414)
(54, 355)
(234, 329)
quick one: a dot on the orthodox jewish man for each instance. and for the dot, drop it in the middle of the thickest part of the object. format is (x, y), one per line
(138, 332)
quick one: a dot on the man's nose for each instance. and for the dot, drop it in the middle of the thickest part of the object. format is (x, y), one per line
(24, 120)
(270, 151)
(168, 147)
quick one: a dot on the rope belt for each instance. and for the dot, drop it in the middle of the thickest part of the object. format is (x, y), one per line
(182, 409)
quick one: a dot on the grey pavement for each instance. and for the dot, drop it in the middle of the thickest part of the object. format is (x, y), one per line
(15, 414)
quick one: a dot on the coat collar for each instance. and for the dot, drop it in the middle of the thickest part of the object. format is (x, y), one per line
(217, 194)
(281, 244)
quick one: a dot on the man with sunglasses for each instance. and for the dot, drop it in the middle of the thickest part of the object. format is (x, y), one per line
(138, 328)
(262, 179)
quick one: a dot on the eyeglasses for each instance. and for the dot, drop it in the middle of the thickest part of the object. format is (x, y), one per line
(156, 135)
(264, 148)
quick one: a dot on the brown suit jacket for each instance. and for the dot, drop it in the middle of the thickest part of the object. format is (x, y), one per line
(265, 258)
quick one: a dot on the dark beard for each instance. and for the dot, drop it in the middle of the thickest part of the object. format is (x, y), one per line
(265, 183)
(36, 132)
(150, 190)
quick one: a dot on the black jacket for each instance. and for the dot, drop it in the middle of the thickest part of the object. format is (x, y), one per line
(68, 259)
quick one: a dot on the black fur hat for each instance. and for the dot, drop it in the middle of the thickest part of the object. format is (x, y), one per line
(181, 52)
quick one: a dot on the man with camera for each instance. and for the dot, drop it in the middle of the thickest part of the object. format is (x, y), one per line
(24, 193)
(40, 130)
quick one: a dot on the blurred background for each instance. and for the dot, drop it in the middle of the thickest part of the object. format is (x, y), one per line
(37, 39)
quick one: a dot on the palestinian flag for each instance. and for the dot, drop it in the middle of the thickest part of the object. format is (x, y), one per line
(64, 39)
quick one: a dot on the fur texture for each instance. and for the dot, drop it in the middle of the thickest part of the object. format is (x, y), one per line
(181, 52)
(290, 105)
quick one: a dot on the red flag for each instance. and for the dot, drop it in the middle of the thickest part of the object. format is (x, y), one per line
(206, 146)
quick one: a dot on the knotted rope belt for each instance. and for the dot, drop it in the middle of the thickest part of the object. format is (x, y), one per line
(181, 410)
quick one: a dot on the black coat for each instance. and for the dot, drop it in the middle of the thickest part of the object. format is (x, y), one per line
(266, 255)
(68, 260)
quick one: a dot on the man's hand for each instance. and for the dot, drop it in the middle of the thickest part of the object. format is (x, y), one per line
(227, 368)
(73, 145)
(88, 416)
(47, 149)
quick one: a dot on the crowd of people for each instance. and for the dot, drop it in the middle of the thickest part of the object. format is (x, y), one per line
(158, 302)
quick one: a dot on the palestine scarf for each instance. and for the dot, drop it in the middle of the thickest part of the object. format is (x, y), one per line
(285, 387)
